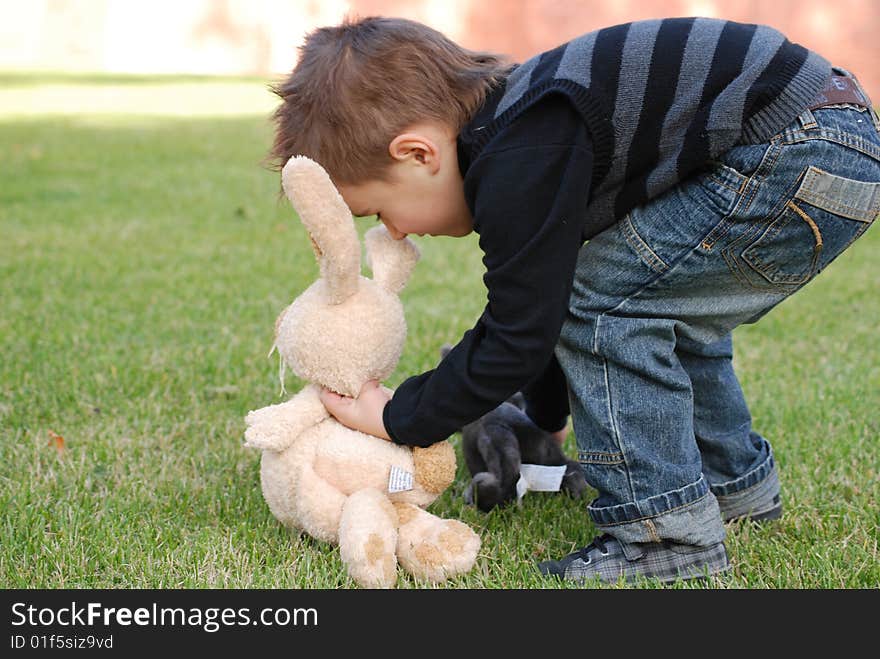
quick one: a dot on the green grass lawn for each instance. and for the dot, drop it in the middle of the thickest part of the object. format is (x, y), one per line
(144, 256)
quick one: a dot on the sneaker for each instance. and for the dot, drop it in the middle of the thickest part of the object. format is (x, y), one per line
(608, 559)
(759, 503)
(768, 512)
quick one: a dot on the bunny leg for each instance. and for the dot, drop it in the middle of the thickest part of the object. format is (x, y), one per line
(297, 496)
(432, 548)
(319, 505)
(368, 538)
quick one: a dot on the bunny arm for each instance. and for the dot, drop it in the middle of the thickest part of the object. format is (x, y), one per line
(276, 427)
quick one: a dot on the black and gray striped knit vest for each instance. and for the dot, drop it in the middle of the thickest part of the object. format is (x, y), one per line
(663, 97)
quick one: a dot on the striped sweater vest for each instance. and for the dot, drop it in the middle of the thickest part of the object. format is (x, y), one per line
(663, 97)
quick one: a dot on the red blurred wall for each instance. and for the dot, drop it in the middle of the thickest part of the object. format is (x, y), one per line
(260, 37)
(847, 32)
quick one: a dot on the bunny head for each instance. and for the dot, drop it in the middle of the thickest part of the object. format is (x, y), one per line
(344, 329)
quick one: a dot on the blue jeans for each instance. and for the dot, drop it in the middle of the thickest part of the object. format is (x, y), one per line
(661, 423)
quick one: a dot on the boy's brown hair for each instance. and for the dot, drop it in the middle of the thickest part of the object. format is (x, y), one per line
(360, 84)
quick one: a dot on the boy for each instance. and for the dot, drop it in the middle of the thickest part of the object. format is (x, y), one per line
(712, 168)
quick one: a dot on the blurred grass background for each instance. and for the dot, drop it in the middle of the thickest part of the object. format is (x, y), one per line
(144, 256)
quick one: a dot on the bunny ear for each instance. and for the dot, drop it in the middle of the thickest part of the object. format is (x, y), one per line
(392, 261)
(329, 222)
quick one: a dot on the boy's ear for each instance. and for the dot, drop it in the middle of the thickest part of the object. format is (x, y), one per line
(392, 261)
(417, 147)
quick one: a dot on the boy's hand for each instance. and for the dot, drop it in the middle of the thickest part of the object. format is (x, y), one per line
(363, 413)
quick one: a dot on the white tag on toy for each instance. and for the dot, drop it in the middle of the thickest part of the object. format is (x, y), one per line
(539, 478)
(400, 480)
(521, 488)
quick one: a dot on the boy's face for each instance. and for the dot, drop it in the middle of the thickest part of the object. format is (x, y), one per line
(423, 196)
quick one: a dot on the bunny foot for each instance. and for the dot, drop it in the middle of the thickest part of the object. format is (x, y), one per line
(368, 538)
(431, 548)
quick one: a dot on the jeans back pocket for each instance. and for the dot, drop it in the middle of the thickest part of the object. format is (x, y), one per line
(828, 212)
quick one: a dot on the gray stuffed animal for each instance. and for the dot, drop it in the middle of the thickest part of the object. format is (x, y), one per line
(497, 444)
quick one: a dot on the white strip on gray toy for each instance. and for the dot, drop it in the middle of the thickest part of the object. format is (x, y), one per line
(538, 478)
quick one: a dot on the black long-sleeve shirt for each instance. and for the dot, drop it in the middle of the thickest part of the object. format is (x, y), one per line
(574, 139)
(527, 190)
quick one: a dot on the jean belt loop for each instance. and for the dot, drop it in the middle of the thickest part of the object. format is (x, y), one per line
(807, 120)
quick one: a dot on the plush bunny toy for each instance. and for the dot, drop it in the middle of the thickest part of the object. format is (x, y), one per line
(336, 484)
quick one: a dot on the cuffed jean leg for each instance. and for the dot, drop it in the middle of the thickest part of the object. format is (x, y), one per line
(738, 463)
(722, 423)
(632, 417)
(632, 408)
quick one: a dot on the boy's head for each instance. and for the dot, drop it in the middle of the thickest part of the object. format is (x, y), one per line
(378, 103)
(360, 84)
